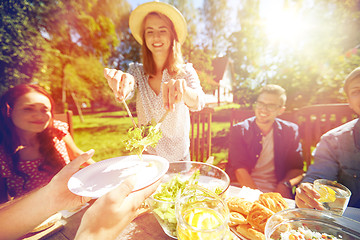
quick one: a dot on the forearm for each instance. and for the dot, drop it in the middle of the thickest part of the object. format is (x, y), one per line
(244, 179)
(294, 176)
(22, 215)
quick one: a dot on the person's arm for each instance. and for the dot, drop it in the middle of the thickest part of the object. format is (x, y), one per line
(306, 197)
(120, 82)
(324, 166)
(244, 179)
(293, 165)
(74, 151)
(20, 216)
(187, 89)
(293, 177)
(111, 213)
(240, 155)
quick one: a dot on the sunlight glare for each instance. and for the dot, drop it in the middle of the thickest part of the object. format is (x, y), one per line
(284, 25)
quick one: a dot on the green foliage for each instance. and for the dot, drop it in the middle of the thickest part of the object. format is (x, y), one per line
(20, 43)
(62, 45)
(216, 20)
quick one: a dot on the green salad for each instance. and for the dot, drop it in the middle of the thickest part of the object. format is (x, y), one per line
(139, 138)
(168, 193)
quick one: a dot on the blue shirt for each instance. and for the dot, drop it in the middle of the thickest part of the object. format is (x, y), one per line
(246, 146)
(337, 157)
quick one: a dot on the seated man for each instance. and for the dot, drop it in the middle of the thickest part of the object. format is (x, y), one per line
(337, 155)
(265, 152)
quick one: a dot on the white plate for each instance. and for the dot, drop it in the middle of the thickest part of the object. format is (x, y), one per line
(99, 178)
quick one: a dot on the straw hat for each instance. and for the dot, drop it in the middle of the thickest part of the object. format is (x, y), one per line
(138, 14)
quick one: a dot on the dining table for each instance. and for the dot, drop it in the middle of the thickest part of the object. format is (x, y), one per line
(145, 226)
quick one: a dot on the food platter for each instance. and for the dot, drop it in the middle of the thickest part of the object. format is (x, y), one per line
(250, 195)
(99, 178)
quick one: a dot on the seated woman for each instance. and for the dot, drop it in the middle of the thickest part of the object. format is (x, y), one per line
(33, 146)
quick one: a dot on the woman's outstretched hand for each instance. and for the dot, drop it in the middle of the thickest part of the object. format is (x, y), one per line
(173, 92)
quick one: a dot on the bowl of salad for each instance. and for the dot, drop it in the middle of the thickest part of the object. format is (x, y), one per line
(302, 223)
(179, 175)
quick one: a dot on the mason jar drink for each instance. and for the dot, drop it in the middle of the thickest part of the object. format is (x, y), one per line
(201, 214)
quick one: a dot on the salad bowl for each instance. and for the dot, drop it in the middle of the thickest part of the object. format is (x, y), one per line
(179, 175)
(303, 223)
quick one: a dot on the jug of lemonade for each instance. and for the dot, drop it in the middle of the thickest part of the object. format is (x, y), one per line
(201, 214)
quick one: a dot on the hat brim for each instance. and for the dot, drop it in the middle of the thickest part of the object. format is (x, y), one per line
(138, 14)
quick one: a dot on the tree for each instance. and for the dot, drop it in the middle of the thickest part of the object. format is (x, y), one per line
(246, 47)
(20, 41)
(194, 51)
(71, 35)
(313, 67)
(216, 17)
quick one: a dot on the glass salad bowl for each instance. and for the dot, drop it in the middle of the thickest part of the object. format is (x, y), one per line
(310, 224)
(179, 175)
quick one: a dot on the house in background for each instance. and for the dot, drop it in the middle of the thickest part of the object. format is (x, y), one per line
(223, 78)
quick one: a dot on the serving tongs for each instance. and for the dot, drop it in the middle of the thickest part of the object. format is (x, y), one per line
(130, 115)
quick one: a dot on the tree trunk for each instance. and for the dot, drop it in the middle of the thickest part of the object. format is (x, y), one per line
(77, 106)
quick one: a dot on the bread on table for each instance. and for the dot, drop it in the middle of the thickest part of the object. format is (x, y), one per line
(239, 205)
(250, 233)
(236, 219)
(273, 201)
(258, 216)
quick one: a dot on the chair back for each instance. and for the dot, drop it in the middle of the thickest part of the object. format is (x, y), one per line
(315, 120)
(66, 117)
(200, 134)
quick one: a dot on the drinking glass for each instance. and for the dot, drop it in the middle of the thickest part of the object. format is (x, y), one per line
(201, 214)
(334, 196)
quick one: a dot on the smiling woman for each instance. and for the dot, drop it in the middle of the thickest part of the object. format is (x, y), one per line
(33, 146)
(163, 81)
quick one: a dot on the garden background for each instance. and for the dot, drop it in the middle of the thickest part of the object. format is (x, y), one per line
(306, 46)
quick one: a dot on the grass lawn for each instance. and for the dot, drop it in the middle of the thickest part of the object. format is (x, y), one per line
(104, 133)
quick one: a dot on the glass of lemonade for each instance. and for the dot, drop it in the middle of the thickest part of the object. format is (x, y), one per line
(334, 196)
(201, 214)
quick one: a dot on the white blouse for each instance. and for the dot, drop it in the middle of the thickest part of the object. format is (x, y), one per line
(174, 144)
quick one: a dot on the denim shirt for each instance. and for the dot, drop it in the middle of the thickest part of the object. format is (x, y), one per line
(246, 146)
(337, 157)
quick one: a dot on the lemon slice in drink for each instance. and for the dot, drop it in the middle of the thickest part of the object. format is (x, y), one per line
(202, 219)
(327, 194)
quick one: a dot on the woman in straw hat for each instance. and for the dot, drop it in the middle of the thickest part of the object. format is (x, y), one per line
(163, 81)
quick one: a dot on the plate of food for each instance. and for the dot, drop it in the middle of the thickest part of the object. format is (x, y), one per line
(99, 178)
(250, 209)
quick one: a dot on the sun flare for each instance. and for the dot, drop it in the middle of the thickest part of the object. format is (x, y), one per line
(284, 25)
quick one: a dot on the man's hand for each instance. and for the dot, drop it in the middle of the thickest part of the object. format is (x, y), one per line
(111, 213)
(61, 197)
(306, 197)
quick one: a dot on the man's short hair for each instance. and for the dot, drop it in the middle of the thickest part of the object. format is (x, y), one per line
(276, 90)
(355, 74)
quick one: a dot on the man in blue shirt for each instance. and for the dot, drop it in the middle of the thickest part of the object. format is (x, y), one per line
(337, 155)
(265, 151)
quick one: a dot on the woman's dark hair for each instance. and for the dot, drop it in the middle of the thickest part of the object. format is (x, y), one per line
(8, 135)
